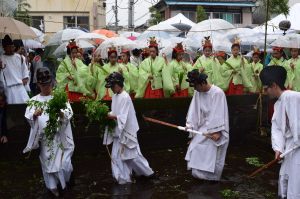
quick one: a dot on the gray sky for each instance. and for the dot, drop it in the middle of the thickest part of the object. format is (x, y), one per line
(141, 11)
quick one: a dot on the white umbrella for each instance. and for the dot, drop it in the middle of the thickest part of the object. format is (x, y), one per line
(33, 44)
(64, 35)
(91, 36)
(118, 42)
(15, 29)
(158, 34)
(287, 41)
(40, 35)
(62, 49)
(130, 34)
(210, 25)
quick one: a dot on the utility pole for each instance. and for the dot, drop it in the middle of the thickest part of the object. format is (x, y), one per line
(130, 14)
(115, 8)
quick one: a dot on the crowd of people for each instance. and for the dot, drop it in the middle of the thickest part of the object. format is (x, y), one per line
(147, 75)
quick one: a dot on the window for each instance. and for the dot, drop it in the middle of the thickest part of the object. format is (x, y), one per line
(188, 14)
(234, 18)
(76, 21)
(38, 22)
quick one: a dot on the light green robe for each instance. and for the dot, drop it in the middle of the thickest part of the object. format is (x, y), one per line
(235, 69)
(132, 76)
(80, 74)
(282, 62)
(179, 71)
(99, 75)
(108, 69)
(254, 70)
(294, 74)
(206, 63)
(161, 76)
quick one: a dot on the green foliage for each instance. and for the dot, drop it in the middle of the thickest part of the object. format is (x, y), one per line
(201, 15)
(96, 111)
(53, 109)
(155, 16)
(275, 7)
(230, 194)
(254, 161)
(22, 12)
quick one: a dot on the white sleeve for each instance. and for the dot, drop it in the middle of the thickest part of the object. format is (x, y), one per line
(25, 71)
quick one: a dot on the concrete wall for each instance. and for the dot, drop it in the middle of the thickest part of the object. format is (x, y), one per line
(53, 12)
(247, 17)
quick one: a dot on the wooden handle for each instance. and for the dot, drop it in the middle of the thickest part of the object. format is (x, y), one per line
(266, 166)
(159, 122)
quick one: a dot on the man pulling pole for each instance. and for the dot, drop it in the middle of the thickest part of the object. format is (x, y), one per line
(208, 113)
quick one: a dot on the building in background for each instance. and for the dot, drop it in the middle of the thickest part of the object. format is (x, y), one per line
(51, 16)
(237, 12)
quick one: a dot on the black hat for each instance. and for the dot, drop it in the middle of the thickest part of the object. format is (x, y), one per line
(273, 74)
(7, 41)
(114, 78)
(195, 77)
(18, 43)
(43, 76)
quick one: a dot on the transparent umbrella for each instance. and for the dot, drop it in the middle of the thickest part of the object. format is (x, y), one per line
(118, 42)
(287, 41)
(64, 36)
(61, 51)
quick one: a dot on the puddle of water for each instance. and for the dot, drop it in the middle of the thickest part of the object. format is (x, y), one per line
(93, 178)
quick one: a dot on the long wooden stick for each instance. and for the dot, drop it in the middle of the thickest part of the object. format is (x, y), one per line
(174, 126)
(266, 166)
(160, 122)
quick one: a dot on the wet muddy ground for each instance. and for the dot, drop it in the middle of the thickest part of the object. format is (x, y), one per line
(23, 179)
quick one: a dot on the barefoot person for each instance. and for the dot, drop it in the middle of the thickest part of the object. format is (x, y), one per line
(126, 154)
(56, 166)
(285, 129)
(208, 113)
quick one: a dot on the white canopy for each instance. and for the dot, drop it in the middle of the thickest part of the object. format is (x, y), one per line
(293, 17)
(167, 24)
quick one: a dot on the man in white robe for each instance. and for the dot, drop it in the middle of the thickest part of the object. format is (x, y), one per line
(208, 113)
(56, 164)
(14, 74)
(126, 154)
(285, 129)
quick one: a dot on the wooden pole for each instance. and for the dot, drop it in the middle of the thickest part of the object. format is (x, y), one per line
(266, 32)
(266, 166)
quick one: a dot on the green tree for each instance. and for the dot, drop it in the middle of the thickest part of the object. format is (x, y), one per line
(155, 16)
(22, 12)
(201, 15)
(275, 7)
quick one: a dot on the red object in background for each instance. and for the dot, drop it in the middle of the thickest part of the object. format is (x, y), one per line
(149, 93)
(235, 89)
(182, 93)
(106, 33)
(133, 38)
(73, 96)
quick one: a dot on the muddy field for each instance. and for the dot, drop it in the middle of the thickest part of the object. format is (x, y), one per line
(23, 179)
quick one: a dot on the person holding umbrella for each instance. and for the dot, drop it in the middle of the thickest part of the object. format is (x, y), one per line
(254, 70)
(294, 64)
(205, 62)
(152, 82)
(179, 70)
(73, 75)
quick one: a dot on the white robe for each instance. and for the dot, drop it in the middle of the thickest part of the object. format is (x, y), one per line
(208, 113)
(285, 135)
(58, 169)
(126, 153)
(15, 70)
